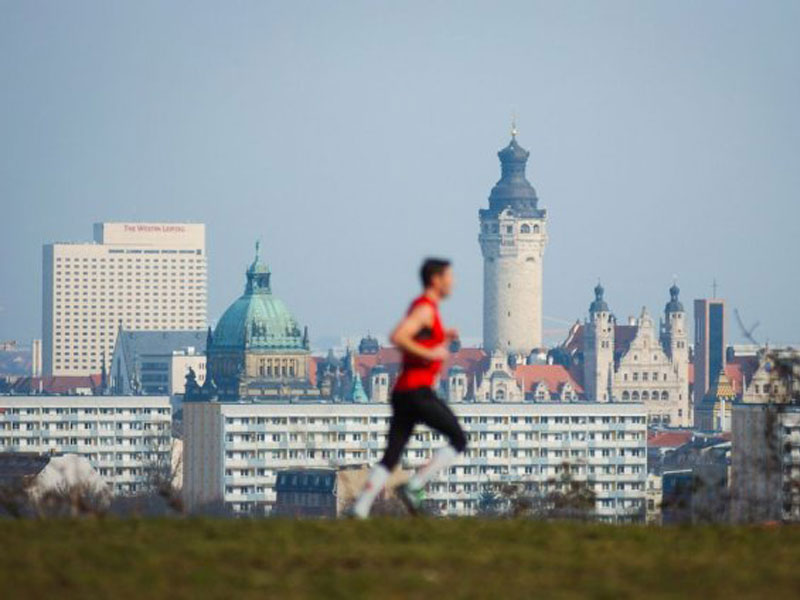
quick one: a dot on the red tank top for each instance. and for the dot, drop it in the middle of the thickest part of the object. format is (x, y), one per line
(417, 372)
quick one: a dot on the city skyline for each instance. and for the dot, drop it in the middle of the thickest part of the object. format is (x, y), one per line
(657, 151)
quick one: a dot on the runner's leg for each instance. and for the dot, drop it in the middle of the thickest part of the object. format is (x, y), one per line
(400, 428)
(436, 414)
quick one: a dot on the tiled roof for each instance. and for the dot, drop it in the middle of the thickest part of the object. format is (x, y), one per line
(668, 439)
(739, 373)
(552, 375)
(472, 360)
(623, 336)
(59, 384)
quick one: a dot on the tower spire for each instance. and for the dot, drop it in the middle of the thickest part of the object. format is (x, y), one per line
(514, 125)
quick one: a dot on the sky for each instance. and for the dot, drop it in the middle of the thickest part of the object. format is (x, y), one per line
(355, 138)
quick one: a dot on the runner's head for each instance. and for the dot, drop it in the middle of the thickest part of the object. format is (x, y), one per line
(437, 276)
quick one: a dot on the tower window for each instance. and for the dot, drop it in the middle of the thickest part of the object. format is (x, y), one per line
(535, 229)
(525, 228)
(509, 229)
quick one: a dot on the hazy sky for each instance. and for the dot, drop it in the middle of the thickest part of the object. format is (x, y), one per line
(354, 138)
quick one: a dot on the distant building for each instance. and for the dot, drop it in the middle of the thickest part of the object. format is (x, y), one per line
(257, 350)
(654, 498)
(698, 494)
(234, 451)
(140, 276)
(513, 238)
(468, 375)
(368, 345)
(709, 348)
(715, 410)
(676, 496)
(125, 438)
(765, 471)
(156, 363)
(60, 385)
(635, 362)
(305, 493)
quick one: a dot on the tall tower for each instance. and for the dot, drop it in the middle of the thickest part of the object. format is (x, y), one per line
(598, 349)
(512, 238)
(709, 347)
(675, 338)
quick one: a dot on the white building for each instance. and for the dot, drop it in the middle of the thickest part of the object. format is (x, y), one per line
(138, 275)
(232, 451)
(124, 437)
(513, 239)
(638, 362)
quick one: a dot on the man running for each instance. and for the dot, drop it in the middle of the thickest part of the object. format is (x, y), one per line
(424, 343)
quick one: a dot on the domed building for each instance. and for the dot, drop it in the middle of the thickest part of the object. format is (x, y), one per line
(257, 350)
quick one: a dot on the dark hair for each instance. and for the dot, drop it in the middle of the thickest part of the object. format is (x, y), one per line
(430, 268)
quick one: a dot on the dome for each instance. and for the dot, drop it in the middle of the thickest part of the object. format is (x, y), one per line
(513, 190)
(674, 305)
(599, 304)
(258, 319)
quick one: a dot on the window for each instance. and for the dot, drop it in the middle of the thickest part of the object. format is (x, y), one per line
(525, 228)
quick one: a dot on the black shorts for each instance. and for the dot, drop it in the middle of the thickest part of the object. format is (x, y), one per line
(420, 405)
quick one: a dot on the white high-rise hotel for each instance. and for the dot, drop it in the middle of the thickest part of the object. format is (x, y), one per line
(513, 238)
(137, 275)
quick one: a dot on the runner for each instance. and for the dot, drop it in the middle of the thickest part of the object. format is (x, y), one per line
(424, 343)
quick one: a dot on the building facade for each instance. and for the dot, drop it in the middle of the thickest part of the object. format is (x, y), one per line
(137, 275)
(257, 350)
(156, 363)
(637, 362)
(513, 238)
(709, 346)
(765, 462)
(233, 451)
(125, 438)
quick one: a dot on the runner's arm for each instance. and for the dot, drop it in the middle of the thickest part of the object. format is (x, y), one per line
(403, 334)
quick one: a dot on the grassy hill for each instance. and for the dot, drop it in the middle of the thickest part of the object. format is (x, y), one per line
(391, 558)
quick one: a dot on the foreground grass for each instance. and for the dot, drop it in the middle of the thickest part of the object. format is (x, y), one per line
(400, 558)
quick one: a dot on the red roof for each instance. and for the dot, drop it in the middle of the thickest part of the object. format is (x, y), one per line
(554, 376)
(739, 371)
(470, 359)
(668, 439)
(623, 336)
(59, 384)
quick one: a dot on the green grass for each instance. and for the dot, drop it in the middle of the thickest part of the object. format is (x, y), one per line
(391, 558)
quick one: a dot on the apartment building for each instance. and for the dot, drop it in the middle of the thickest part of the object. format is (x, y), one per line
(126, 438)
(232, 451)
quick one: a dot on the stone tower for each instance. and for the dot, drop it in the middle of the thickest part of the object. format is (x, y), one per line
(512, 238)
(598, 349)
(675, 340)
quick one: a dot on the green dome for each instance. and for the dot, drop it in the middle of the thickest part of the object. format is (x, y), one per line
(258, 320)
